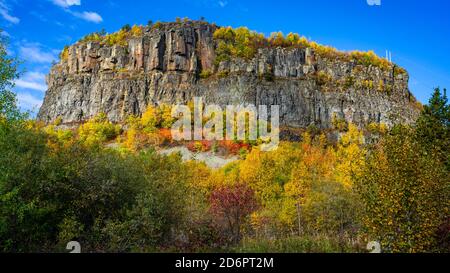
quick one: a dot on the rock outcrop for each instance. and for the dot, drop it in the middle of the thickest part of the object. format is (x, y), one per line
(165, 64)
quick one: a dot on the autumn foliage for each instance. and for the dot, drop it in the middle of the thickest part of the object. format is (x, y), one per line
(244, 43)
(233, 204)
(105, 185)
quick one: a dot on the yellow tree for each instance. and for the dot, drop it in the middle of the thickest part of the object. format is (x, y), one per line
(350, 155)
(267, 173)
(315, 166)
(151, 119)
(98, 130)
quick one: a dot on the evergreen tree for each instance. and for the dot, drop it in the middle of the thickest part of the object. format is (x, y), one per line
(433, 126)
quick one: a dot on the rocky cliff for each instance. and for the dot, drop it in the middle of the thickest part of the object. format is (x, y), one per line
(174, 62)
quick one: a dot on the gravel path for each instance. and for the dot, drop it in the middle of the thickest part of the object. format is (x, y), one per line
(211, 160)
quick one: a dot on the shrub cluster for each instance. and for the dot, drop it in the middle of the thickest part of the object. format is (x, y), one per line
(153, 128)
(117, 38)
(243, 43)
(98, 130)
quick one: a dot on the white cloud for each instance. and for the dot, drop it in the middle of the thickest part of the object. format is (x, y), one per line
(67, 3)
(65, 39)
(33, 53)
(39, 16)
(31, 85)
(88, 16)
(28, 101)
(4, 12)
(33, 81)
(223, 3)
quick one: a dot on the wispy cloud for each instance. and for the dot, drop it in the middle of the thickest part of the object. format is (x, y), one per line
(5, 13)
(39, 16)
(66, 3)
(65, 39)
(35, 54)
(33, 81)
(223, 3)
(89, 16)
(28, 101)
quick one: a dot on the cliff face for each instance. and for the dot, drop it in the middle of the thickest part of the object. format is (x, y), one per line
(164, 65)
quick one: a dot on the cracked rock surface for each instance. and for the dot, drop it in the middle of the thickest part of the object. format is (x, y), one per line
(164, 66)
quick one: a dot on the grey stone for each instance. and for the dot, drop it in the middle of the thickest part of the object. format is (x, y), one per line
(163, 67)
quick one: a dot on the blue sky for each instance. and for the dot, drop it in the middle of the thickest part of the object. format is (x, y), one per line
(416, 32)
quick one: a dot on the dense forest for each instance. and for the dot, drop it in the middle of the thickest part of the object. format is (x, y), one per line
(105, 186)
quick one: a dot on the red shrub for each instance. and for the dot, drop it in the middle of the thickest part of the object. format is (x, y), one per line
(232, 147)
(206, 145)
(232, 204)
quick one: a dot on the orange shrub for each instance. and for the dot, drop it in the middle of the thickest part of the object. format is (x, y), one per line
(191, 146)
(232, 147)
(206, 145)
(165, 136)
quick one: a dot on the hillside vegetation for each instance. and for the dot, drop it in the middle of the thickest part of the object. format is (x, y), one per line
(244, 43)
(58, 185)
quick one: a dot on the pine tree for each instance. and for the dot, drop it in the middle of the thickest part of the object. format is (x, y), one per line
(432, 129)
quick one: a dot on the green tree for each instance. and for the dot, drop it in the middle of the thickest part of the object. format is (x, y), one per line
(158, 213)
(126, 28)
(8, 73)
(433, 126)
